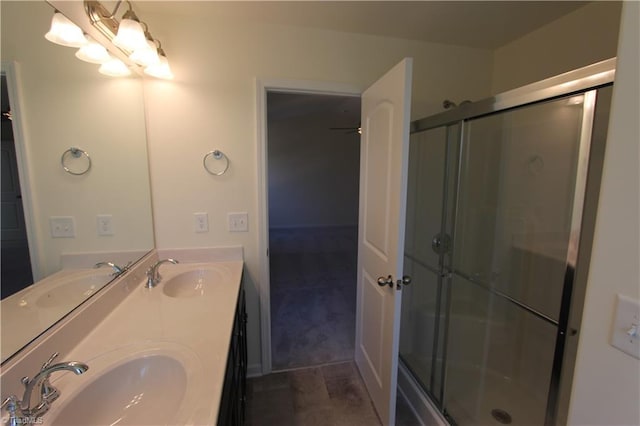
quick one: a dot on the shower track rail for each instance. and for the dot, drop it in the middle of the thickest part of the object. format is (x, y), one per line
(506, 297)
(588, 78)
(422, 263)
(485, 286)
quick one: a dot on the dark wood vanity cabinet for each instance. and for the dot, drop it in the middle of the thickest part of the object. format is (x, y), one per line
(233, 401)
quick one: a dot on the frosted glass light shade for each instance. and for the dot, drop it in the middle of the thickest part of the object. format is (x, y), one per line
(130, 35)
(114, 68)
(93, 52)
(160, 70)
(146, 56)
(64, 32)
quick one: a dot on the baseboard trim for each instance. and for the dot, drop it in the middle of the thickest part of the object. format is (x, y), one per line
(423, 408)
(254, 370)
(311, 227)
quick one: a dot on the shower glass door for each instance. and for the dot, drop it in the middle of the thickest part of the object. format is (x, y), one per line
(432, 158)
(521, 176)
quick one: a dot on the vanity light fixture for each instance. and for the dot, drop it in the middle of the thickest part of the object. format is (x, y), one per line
(64, 32)
(131, 36)
(93, 52)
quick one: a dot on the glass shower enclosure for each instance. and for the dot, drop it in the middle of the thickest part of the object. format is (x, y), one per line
(500, 215)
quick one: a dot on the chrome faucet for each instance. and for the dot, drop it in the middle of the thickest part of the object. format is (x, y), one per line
(117, 270)
(153, 274)
(24, 409)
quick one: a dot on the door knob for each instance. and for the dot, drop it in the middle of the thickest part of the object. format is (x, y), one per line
(382, 281)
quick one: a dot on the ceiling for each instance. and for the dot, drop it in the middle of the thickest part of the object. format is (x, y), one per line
(480, 24)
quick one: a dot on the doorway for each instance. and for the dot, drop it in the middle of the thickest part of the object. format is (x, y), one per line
(313, 168)
(14, 248)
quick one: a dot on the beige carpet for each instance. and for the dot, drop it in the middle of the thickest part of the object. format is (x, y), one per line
(313, 290)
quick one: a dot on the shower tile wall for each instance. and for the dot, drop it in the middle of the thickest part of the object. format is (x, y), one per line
(313, 291)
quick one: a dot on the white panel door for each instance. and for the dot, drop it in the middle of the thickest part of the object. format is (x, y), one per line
(383, 182)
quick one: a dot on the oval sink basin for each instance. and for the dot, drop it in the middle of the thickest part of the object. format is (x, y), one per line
(191, 283)
(143, 391)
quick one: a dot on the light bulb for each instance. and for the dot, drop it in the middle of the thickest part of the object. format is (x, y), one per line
(130, 35)
(64, 32)
(114, 68)
(146, 56)
(93, 52)
(160, 70)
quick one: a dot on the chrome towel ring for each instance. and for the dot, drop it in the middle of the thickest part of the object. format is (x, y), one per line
(215, 162)
(71, 153)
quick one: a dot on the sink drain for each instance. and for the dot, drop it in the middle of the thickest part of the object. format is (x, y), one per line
(501, 416)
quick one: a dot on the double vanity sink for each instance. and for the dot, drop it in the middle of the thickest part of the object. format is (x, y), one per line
(158, 357)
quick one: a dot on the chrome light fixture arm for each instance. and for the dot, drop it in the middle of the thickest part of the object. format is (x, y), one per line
(107, 22)
(134, 42)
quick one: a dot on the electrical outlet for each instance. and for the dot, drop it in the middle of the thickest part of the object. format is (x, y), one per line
(105, 225)
(238, 222)
(201, 222)
(625, 334)
(62, 226)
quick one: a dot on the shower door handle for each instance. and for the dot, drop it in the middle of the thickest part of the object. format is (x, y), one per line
(441, 243)
(406, 280)
(382, 281)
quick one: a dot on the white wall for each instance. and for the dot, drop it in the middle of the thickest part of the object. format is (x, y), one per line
(313, 171)
(212, 101)
(66, 102)
(585, 36)
(606, 386)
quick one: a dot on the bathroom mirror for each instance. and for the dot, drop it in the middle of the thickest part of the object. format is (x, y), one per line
(58, 103)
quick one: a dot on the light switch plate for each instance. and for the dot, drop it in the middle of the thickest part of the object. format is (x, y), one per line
(62, 226)
(201, 222)
(105, 225)
(238, 222)
(625, 334)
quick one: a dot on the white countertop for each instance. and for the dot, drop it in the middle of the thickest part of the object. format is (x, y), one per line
(32, 310)
(194, 330)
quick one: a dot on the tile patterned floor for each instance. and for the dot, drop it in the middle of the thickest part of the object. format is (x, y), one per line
(313, 291)
(328, 395)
